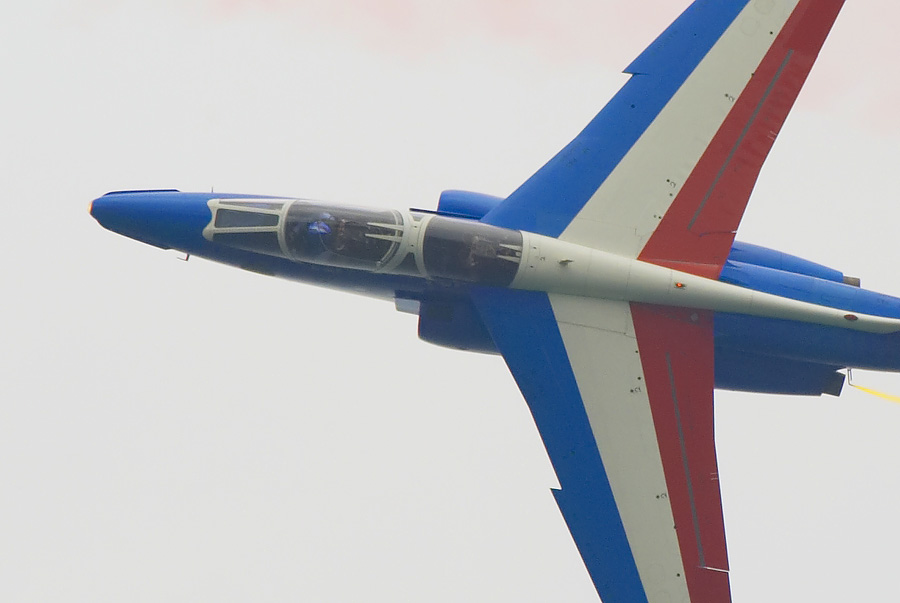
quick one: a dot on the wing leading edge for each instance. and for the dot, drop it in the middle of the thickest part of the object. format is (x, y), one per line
(622, 397)
(525, 330)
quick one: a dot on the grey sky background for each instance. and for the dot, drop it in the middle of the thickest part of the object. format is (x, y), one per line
(185, 431)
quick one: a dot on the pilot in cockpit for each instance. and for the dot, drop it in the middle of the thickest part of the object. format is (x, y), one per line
(320, 226)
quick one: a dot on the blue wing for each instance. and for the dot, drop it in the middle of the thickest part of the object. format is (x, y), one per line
(525, 330)
(549, 200)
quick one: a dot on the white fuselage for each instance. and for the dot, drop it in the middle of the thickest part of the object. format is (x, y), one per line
(556, 266)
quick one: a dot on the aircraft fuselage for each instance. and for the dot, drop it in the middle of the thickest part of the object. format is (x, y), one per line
(776, 330)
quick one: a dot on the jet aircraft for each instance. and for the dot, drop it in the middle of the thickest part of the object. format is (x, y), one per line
(610, 282)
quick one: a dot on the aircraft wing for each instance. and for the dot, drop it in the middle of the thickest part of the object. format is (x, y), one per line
(622, 397)
(622, 393)
(665, 170)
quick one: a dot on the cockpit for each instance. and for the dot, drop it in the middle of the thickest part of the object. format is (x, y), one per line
(342, 236)
(349, 237)
(368, 239)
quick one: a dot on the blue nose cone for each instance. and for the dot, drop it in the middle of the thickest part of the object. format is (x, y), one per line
(164, 218)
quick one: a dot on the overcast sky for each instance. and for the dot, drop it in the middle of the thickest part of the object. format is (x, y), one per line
(186, 431)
